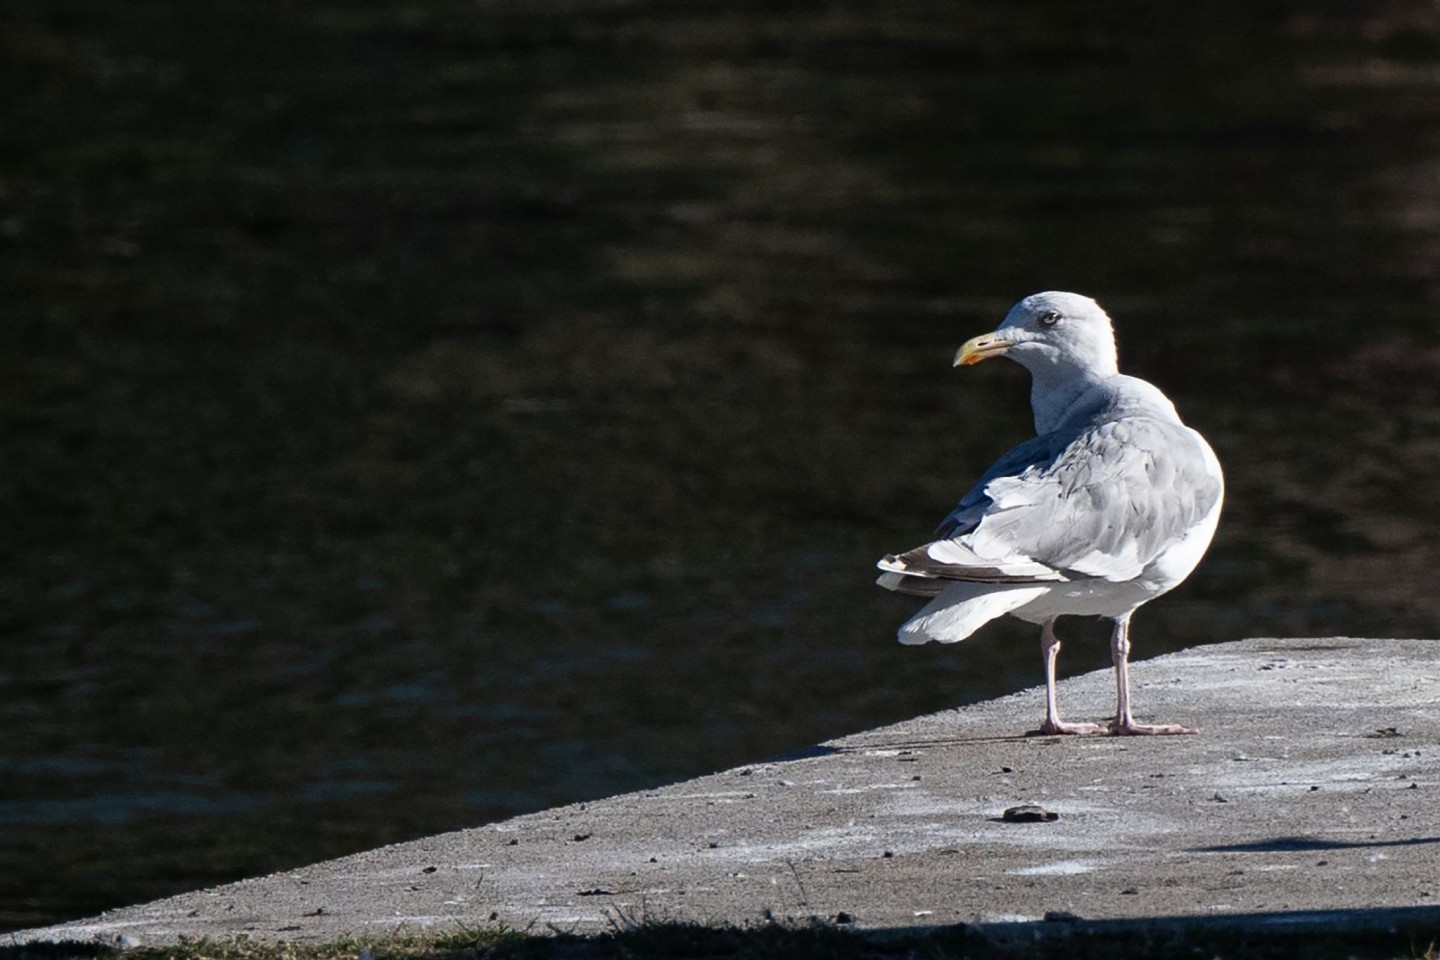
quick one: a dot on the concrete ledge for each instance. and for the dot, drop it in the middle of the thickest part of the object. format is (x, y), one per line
(1309, 794)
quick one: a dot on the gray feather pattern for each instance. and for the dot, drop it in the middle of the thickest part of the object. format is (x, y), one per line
(1053, 499)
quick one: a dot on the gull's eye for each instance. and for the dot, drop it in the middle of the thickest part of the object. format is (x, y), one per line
(1049, 318)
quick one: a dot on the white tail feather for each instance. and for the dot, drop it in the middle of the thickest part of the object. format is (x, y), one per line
(964, 608)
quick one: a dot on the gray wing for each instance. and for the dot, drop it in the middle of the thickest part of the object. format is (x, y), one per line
(1103, 501)
(1037, 453)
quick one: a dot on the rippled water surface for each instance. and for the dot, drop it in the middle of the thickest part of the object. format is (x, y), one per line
(419, 413)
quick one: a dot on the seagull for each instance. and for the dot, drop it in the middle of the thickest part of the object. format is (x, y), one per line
(1112, 503)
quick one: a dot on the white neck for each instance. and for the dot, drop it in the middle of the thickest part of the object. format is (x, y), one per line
(1055, 385)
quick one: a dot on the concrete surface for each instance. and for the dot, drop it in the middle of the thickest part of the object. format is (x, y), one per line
(1310, 791)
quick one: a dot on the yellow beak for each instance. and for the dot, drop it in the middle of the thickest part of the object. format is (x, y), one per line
(981, 348)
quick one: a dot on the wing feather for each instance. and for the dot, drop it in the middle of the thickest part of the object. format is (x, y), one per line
(1103, 500)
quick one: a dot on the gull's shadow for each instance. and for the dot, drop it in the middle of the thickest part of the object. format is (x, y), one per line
(1301, 844)
(829, 750)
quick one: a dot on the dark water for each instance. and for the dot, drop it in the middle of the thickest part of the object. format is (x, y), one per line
(419, 413)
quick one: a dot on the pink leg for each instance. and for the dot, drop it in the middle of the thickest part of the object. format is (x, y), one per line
(1049, 650)
(1125, 724)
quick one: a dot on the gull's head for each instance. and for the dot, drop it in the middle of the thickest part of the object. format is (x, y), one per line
(1050, 331)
